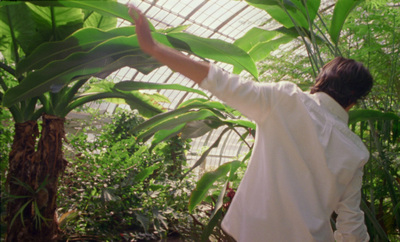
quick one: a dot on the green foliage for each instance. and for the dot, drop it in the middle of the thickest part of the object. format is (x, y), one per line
(6, 134)
(340, 13)
(116, 186)
(207, 180)
(373, 39)
(67, 55)
(37, 199)
(300, 14)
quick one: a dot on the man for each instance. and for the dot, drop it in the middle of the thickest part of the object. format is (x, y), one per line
(306, 163)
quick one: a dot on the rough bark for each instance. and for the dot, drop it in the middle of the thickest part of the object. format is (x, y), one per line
(46, 165)
(49, 165)
(21, 160)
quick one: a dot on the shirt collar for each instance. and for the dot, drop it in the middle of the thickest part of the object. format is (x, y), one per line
(334, 107)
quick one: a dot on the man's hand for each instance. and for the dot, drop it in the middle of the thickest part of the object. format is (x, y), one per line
(175, 60)
(143, 32)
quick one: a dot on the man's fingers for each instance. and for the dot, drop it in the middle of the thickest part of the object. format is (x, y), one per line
(134, 12)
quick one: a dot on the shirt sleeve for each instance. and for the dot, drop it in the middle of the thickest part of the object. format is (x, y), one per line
(350, 221)
(250, 98)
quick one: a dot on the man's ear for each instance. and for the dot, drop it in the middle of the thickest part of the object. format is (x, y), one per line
(349, 107)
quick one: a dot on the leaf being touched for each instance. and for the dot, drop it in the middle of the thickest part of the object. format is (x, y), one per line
(207, 180)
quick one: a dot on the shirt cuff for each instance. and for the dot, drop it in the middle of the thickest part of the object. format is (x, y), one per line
(207, 82)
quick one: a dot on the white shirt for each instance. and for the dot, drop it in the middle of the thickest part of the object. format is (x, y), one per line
(305, 164)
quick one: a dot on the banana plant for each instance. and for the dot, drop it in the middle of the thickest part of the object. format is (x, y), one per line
(23, 26)
(53, 63)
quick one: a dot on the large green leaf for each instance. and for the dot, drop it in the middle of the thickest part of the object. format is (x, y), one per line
(210, 48)
(193, 104)
(97, 20)
(241, 123)
(132, 85)
(80, 41)
(55, 23)
(104, 7)
(365, 115)
(253, 37)
(279, 10)
(340, 13)
(177, 120)
(259, 43)
(206, 182)
(263, 49)
(144, 103)
(198, 128)
(105, 57)
(16, 31)
(166, 134)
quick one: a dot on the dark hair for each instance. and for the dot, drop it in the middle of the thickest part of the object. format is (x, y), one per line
(345, 80)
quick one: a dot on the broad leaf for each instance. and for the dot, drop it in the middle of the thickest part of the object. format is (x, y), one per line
(107, 56)
(206, 182)
(132, 85)
(165, 134)
(184, 108)
(172, 122)
(55, 23)
(242, 123)
(280, 11)
(212, 49)
(80, 41)
(100, 21)
(198, 128)
(104, 7)
(111, 55)
(253, 37)
(340, 13)
(23, 29)
(259, 43)
(365, 115)
(144, 103)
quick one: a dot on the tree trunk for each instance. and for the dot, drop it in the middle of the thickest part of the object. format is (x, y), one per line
(50, 164)
(40, 218)
(21, 160)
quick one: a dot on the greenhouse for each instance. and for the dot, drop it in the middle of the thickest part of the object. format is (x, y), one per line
(200, 120)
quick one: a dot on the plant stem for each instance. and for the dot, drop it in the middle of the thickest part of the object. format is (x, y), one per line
(313, 40)
(3, 84)
(300, 32)
(7, 69)
(241, 137)
(53, 23)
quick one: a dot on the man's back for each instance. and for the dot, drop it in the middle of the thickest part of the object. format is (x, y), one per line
(304, 163)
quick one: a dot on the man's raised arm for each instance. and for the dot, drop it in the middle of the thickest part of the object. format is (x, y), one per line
(195, 70)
